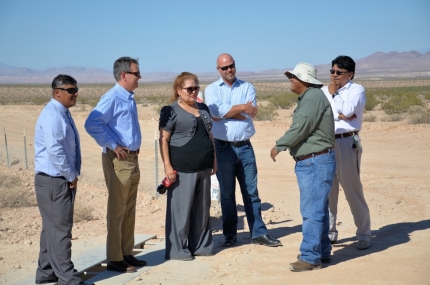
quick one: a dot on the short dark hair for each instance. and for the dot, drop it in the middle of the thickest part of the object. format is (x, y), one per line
(62, 79)
(123, 64)
(345, 62)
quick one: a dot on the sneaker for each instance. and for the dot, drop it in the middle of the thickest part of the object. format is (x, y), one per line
(323, 259)
(363, 244)
(301, 265)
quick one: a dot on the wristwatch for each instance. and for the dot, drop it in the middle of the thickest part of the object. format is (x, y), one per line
(335, 94)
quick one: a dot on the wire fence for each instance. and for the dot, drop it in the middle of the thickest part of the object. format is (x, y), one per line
(17, 152)
(14, 150)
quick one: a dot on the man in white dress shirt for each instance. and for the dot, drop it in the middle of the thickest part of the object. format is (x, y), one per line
(347, 100)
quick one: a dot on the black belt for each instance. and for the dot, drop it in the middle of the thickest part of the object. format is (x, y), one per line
(133, 151)
(44, 174)
(345, 135)
(300, 158)
(236, 144)
(129, 151)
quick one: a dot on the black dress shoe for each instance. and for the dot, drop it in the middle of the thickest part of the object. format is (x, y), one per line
(46, 281)
(130, 259)
(229, 241)
(85, 283)
(266, 240)
(120, 266)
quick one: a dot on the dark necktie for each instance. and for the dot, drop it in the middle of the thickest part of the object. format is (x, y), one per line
(78, 148)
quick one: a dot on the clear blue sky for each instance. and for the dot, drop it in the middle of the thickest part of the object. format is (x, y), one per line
(174, 35)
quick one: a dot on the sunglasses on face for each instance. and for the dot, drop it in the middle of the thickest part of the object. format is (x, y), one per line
(332, 71)
(71, 90)
(231, 66)
(191, 89)
(135, 73)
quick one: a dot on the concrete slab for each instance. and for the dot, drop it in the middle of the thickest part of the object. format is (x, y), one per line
(153, 256)
(85, 259)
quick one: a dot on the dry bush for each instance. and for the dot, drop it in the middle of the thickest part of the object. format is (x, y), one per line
(283, 100)
(369, 118)
(371, 100)
(266, 113)
(82, 213)
(392, 118)
(12, 194)
(420, 117)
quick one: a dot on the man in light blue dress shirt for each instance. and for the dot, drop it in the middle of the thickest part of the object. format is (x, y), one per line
(57, 166)
(233, 106)
(115, 127)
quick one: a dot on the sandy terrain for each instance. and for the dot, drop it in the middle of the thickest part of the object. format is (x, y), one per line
(395, 174)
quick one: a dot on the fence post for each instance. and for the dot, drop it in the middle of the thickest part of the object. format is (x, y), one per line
(25, 150)
(7, 153)
(156, 163)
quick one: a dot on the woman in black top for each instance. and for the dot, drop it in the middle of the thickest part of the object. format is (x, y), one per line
(186, 146)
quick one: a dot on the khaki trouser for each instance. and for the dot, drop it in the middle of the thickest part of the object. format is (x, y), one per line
(348, 160)
(122, 180)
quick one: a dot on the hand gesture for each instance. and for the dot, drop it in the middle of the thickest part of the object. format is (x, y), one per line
(250, 109)
(121, 152)
(332, 87)
(273, 153)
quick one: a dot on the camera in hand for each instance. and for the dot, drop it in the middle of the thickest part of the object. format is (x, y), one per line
(165, 184)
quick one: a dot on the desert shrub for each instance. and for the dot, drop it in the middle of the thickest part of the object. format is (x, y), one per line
(392, 118)
(283, 100)
(12, 195)
(82, 213)
(371, 100)
(369, 118)
(422, 117)
(398, 100)
(400, 104)
(266, 113)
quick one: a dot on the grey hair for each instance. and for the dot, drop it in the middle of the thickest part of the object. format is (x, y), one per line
(63, 79)
(123, 64)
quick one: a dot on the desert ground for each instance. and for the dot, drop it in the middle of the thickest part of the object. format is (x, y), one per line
(395, 176)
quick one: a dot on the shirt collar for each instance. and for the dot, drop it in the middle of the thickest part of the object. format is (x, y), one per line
(347, 85)
(123, 92)
(59, 106)
(221, 82)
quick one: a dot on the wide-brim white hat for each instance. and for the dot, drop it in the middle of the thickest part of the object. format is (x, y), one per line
(305, 72)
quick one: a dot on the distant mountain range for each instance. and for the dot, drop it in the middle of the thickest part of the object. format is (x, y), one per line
(379, 65)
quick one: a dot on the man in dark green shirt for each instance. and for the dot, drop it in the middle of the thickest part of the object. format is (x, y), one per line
(310, 140)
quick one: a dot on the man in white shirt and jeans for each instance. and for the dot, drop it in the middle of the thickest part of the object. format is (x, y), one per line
(347, 100)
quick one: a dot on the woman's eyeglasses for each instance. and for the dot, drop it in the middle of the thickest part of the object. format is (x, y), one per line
(191, 89)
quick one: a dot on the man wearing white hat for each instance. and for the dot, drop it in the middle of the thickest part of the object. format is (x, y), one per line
(310, 140)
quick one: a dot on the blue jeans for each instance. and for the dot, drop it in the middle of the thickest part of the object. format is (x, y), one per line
(238, 162)
(315, 178)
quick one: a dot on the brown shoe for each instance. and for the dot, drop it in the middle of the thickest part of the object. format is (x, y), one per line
(120, 266)
(301, 265)
(130, 259)
(323, 259)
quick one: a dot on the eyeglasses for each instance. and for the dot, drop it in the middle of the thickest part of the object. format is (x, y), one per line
(135, 73)
(332, 71)
(231, 66)
(71, 90)
(191, 89)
